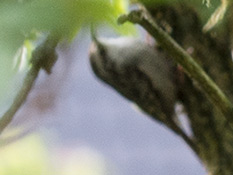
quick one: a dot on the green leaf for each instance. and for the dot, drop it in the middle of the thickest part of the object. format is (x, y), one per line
(61, 18)
(25, 157)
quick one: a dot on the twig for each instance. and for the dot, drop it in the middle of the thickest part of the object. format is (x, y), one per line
(195, 72)
(44, 57)
(20, 97)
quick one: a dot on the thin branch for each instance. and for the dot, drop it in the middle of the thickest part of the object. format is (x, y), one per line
(195, 72)
(43, 57)
(20, 97)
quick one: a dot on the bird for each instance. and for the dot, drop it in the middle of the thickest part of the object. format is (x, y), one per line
(139, 72)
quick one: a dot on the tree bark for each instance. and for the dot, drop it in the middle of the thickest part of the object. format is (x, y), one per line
(211, 132)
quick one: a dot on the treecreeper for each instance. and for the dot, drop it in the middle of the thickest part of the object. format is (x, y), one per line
(137, 71)
(147, 76)
(141, 73)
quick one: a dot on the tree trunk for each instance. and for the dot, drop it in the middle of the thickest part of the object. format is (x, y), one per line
(211, 133)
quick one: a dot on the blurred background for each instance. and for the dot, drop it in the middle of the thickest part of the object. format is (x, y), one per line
(73, 124)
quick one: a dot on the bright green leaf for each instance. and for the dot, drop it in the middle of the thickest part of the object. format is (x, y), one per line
(62, 18)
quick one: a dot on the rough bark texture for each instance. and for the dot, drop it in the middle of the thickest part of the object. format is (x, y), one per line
(211, 133)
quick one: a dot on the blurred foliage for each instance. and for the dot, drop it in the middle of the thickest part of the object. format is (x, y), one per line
(25, 157)
(22, 20)
(31, 156)
(84, 161)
